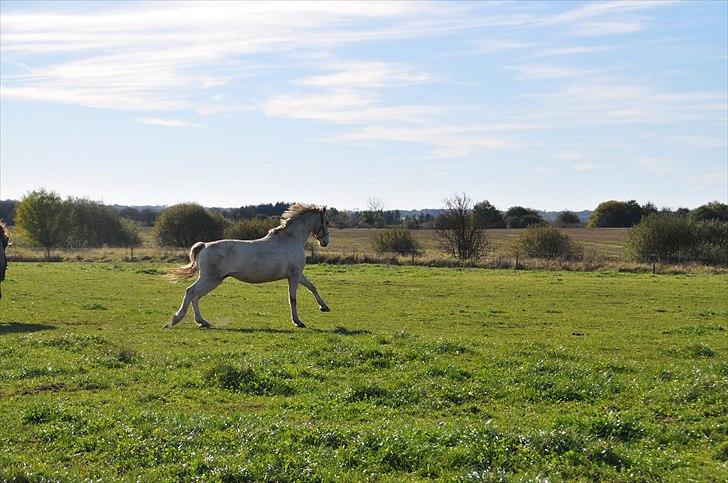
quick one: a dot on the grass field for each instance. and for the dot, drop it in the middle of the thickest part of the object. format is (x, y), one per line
(417, 373)
(607, 243)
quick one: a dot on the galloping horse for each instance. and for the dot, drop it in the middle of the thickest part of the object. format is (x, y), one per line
(277, 256)
(4, 242)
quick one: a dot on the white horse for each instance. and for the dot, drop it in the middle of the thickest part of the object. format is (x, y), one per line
(277, 256)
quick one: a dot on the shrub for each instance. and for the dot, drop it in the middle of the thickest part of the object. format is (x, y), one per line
(96, 225)
(187, 223)
(250, 229)
(668, 238)
(396, 240)
(662, 238)
(548, 242)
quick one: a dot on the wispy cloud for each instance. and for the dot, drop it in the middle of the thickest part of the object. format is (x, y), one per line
(586, 166)
(156, 121)
(553, 52)
(548, 71)
(652, 166)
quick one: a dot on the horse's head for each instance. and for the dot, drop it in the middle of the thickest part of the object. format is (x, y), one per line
(320, 230)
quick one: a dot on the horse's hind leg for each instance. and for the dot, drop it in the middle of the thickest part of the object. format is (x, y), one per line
(182, 311)
(202, 287)
(312, 288)
(293, 281)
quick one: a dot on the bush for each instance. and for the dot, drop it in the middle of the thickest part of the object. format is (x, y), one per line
(187, 223)
(250, 229)
(548, 242)
(396, 240)
(96, 225)
(669, 238)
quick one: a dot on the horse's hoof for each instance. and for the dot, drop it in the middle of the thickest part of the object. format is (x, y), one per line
(204, 325)
(300, 325)
(325, 308)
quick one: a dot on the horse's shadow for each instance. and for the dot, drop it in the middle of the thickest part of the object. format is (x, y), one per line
(19, 328)
(336, 330)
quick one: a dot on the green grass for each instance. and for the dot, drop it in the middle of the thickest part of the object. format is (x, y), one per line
(417, 373)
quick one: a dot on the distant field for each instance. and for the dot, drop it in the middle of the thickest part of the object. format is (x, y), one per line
(417, 373)
(600, 242)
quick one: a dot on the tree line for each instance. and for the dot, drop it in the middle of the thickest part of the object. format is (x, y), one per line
(48, 221)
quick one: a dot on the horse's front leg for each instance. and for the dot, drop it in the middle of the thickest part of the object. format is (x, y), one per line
(312, 288)
(293, 281)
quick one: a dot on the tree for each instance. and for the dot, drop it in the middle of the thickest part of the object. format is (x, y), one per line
(714, 210)
(568, 219)
(488, 215)
(460, 233)
(520, 217)
(44, 219)
(187, 223)
(616, 214)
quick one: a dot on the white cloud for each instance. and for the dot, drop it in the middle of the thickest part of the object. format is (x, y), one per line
(156, 121)
(446, 141)
(553, 52)
(606, 28)
(586, 166)
(364, 75)
(548, 71)
(569, 155)
(652, 166)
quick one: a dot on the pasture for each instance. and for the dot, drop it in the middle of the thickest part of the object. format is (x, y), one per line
(417, 373)
(603, 243)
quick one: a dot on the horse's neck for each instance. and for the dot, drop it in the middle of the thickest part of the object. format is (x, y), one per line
(300, 229)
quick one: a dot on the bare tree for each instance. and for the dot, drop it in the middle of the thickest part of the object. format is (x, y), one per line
(375, 204)
(461, 235)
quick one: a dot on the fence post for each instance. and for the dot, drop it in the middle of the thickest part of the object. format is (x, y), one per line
(516, 259)
(413, 255)
(653, 265)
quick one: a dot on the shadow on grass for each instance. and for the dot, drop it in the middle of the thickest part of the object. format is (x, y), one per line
(19, 328)
(337, 330)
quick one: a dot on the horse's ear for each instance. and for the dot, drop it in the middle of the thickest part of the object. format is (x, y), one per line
(324, 210)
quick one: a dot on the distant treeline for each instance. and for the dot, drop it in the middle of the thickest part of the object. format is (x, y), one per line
(609, 214)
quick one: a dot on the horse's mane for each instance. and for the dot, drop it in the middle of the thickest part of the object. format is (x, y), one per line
(4, 235)
(294, 211)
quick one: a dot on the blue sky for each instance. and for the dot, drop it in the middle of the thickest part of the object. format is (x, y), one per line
(551, 105)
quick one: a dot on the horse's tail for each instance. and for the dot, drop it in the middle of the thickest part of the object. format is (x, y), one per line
(187, 271)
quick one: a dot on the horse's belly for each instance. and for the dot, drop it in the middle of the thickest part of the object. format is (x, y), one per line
(259, 274)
